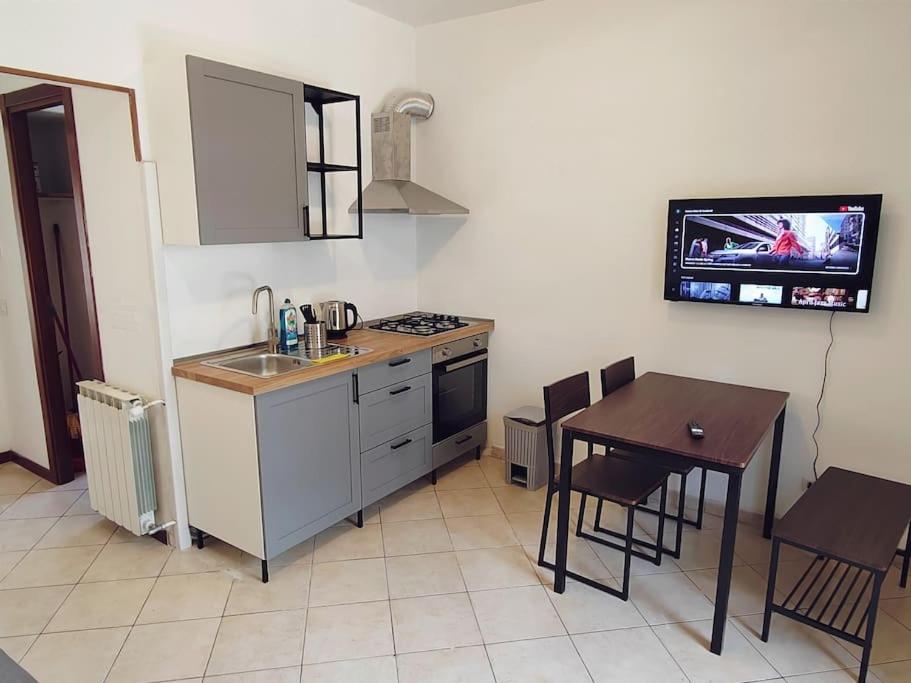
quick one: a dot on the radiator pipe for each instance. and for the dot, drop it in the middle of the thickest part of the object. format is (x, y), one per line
(160, 527)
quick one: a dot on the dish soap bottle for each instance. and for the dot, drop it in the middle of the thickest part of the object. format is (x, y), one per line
(287, 323)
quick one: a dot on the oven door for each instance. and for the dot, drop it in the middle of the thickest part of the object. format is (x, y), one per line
(459, 394)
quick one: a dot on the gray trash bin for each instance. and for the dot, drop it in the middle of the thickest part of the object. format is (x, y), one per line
(526, 447)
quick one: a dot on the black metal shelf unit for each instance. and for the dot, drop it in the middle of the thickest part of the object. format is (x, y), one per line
(318, 98)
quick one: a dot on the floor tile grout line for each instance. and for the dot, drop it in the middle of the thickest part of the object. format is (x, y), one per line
(388, 601)
(553, 606)
(307, 611)
(142, 607)
(62, 602)
(669, 653)
(467, 593)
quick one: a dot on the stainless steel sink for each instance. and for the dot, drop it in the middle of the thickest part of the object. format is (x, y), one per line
(261, 364)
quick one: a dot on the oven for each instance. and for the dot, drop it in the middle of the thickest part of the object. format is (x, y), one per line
(459, 397)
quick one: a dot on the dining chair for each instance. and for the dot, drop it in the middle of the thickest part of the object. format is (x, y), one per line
(613, 377)
(623, 482)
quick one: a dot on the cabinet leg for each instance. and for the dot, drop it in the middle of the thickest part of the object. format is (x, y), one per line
(477, 453)
(265, 571)
(433, 477)
(200, 542)
(360, 519)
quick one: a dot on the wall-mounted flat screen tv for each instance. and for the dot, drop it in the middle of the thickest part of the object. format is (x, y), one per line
(781, 252)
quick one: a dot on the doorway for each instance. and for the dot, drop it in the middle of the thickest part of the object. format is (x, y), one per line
(44, 164)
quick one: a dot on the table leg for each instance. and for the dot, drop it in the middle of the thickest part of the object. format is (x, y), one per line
(566, 473)
(774, 468)
(726, 563)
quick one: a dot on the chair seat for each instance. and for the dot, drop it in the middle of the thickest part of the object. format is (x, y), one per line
(618, 480)
(677, 469)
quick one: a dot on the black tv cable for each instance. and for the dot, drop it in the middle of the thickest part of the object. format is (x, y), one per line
(822, 392)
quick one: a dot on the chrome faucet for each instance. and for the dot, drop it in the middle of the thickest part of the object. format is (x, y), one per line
(272, 340)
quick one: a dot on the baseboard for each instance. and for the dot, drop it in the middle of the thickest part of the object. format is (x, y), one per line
(26, 464)
(495, 452)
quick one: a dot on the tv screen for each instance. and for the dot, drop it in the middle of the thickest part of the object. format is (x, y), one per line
(781, 252)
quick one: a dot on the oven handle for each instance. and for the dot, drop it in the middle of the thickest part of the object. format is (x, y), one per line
(459, 364)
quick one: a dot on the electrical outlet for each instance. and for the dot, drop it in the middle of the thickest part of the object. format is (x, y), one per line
(4, 309)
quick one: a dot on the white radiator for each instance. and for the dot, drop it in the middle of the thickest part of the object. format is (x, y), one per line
(118, 455)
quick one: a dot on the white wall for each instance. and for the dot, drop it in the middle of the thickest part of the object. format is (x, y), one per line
(118, 235)
(335, 44)
(325, 42)
(566, 126)
(207, 289)
(210, 304)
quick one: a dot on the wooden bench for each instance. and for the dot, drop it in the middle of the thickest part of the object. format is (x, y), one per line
(853, 523)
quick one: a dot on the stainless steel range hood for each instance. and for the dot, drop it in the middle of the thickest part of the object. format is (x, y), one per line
(392, 190)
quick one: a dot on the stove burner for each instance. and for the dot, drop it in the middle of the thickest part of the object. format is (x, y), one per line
(420, 324)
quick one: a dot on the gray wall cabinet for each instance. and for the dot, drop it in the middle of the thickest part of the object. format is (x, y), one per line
(249, 152)
(309, 458)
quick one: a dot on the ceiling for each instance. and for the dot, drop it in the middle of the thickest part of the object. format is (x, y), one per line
(423, 12)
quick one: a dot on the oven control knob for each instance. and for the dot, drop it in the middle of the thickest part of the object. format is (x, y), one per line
(477, 343)
(446, 352)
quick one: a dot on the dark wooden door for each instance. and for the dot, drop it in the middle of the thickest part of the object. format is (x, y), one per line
(15, 106)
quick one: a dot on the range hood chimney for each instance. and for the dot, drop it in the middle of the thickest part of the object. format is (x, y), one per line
(392, 190)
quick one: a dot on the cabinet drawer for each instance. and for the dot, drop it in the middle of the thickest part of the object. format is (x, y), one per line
(388, 413)
(456, 445)
(391, 371)
(389, 467)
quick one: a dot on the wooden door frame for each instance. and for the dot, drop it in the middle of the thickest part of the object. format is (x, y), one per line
(15, 107)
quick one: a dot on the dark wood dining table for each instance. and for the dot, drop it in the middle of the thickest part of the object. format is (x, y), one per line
(648, 418)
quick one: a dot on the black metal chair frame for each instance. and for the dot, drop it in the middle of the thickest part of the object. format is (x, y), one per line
(606, 388)
(629, 540)
(681, 508)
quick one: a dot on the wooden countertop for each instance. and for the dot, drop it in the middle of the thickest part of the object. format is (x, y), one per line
(383, 345)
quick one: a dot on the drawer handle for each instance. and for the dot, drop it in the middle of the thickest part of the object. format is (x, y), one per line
(464, 439)
(400, 361)
(400, 390)
(399, 445)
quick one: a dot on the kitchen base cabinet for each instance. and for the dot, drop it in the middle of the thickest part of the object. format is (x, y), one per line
(221, 464)
(309, 459)
(389, 467)
(266, 473)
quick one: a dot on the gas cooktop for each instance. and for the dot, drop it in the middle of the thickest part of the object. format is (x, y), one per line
(420, 323)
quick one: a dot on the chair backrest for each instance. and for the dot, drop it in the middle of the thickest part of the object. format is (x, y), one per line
(617, 375)
(561, 399)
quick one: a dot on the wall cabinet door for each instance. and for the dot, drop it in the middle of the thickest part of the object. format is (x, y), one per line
(309, 459)
(249, 152)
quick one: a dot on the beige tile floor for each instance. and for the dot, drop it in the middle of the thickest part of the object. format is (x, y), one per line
(440, 585)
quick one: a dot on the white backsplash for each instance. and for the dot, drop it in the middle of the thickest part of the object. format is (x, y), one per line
(210, 288)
